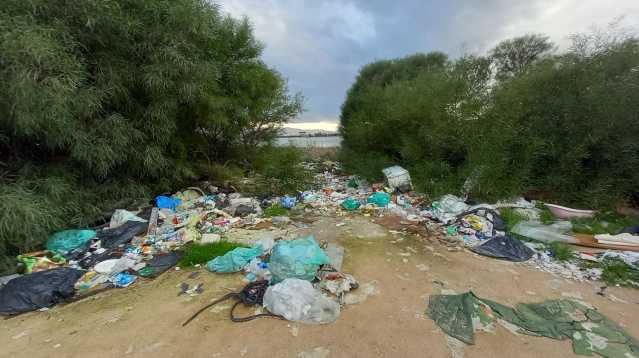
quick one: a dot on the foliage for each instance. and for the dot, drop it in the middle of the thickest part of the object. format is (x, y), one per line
(282, 170)
(196, 254)
(617, 272)
(275, 210)
(513, 57)
(104, 101)
(603, 223)
(519, 120)
(561, 251)
(511, 217)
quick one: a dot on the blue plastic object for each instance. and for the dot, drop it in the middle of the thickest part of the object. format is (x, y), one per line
(288, 202)
(165, 202)
(123, 279)
(69, 240)
(234, 260)
(380, 199)
(299, 258)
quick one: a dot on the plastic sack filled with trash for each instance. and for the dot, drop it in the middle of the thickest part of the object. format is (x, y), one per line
(297, 300)
(299, 258)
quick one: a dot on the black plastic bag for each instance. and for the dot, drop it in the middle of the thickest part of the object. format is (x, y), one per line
(38, 290)
(161, 263)
(122, 235)
(504, 247)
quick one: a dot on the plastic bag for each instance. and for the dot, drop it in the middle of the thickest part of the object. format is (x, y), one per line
(69, 240)
(547, 233)
(505, 247)
(297, 300)
(299, 258)
(165, 202)
(350, 204)
(37, 290)
(121, 216)
(380, 199)
(448, 207)
(234, 260)
(288, 202)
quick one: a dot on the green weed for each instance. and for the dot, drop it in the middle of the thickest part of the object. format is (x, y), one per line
(604, 223)
(199, 254)
(511, 217)
(561, 252)
(275, 210)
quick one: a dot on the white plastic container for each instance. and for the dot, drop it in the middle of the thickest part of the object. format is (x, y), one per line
(398, 177)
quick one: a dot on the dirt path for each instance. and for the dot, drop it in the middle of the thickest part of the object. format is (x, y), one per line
(399, 272)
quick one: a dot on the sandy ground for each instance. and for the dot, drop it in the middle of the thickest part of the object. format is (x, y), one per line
(145, 319)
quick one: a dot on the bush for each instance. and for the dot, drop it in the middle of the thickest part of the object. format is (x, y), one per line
(282, 170)
(105, 101)
(521, 120)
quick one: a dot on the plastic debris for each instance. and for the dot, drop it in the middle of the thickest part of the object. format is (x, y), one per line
(297, 300)
(350, 204)
(299, 258)
(380, 199)
(165, 202)
(69, 240)
(234, 260)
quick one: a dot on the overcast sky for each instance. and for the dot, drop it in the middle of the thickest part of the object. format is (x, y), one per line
(320, 45)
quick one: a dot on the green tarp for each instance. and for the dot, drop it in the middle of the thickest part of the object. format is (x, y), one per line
(590, 331)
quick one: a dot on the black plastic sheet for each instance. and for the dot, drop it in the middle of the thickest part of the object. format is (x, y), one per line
(504, 247)
(38, 290)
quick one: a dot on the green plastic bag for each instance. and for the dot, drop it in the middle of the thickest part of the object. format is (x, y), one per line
(350, 204)
(69, 240)
(234, 260)
(299, 258)
(380, 199)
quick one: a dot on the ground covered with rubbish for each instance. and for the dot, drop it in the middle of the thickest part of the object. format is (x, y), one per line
(357, 270)
(386, 317)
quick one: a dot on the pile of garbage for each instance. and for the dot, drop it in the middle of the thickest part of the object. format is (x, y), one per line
(301, 273)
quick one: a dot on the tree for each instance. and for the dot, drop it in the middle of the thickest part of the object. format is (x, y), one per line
(103, 101)
(512, 57)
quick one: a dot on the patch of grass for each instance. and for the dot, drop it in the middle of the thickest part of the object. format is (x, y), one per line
(511, 217)
(275, 210)
(200, 254)
(604, 223)
(617, 272)
(561, 252)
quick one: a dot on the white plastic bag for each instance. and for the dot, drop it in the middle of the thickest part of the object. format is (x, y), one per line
(297, 300)
(121, 216)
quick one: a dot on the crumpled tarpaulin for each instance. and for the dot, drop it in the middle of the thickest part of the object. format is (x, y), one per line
(590, 331)
(505, 247)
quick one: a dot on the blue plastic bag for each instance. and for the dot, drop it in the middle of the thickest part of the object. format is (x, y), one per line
(380, 199)
(165, 202)
(69, 240)
(299, 258)
(288, 202)
(123, 279)
(234, 260)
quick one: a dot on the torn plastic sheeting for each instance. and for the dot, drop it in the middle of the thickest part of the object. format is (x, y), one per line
(299, 258)
(121, 216)
(590, 331)
(546, 233)
(69, 240)
(120, 236)
(505, 247)
(38, 290)
(298, 301)
(234, 260)
(398, 178)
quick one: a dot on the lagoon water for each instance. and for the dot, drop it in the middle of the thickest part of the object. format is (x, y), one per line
(309, 142)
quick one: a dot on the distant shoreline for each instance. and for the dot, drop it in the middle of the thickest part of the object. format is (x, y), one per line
(309, 135)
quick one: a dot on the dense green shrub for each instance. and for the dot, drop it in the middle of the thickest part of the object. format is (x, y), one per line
(520, 120)
(106, 101)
